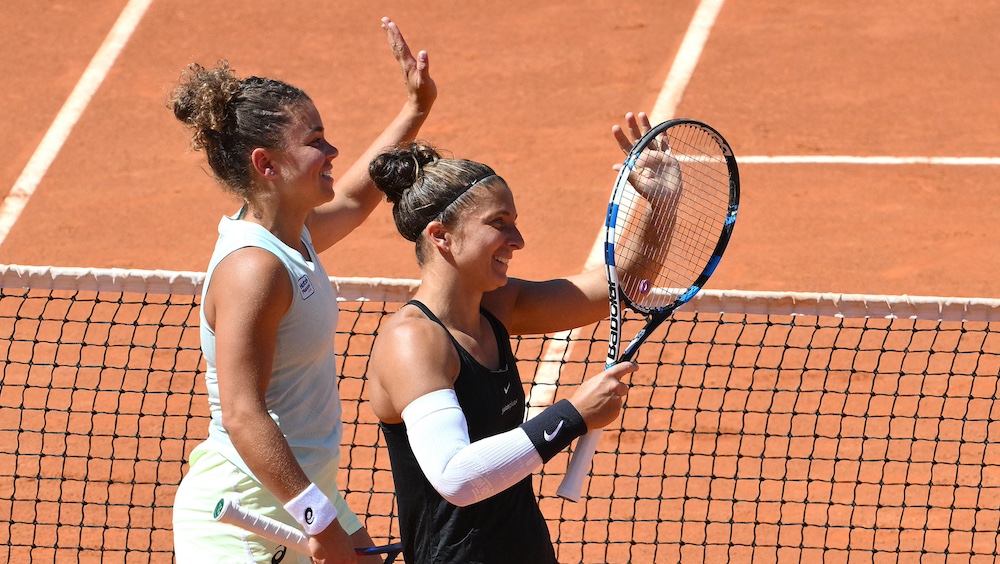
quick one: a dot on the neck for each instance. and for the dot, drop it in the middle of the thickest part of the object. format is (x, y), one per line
(287, 227)
(455, 304)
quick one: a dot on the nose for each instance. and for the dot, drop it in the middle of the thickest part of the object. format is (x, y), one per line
(516, 240)
(331, 151)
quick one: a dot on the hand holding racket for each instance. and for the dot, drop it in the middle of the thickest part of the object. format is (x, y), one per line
(228, 511)
(670, 217)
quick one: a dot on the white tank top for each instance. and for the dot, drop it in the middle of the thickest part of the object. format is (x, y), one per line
(302, 396)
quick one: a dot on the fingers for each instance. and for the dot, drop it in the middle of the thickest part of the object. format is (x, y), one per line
(416, 70)
(633, 126)
(624, 143)
(618, 371)
(644, 122)
(637, 125)
(423, 63)
(396, 42)
(621, 369)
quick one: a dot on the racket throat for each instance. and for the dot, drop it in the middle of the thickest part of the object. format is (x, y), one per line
(640, 337)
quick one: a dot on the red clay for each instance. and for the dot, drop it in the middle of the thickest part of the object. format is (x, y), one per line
(533, 89)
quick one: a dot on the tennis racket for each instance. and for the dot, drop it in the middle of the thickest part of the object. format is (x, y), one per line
(670, 217)
(228, 511)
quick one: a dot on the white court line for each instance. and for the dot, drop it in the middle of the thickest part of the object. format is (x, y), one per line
(544, 385)
(685, 61)
(67, 117)
(676, 83)
(843, 159)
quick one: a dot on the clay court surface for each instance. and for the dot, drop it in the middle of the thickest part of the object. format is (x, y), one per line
(532, 88)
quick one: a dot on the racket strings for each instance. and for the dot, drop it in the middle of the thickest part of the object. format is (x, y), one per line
(671, 215)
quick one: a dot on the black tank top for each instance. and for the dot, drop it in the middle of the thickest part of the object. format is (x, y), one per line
(506, 528)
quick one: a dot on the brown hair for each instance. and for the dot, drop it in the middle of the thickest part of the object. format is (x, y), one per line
(230, 117)
(422, 186)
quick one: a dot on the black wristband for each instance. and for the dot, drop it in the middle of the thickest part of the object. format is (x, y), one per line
(554, 429)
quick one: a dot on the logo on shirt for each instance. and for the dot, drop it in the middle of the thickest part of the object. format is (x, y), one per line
(549, 436)
(508, 407)
(506, 388)
(305, 287)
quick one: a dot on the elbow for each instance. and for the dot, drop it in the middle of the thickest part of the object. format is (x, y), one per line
(461, 493)
(457, 498)
(235, 420)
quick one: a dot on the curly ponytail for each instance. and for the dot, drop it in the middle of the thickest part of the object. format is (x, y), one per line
(230, 117)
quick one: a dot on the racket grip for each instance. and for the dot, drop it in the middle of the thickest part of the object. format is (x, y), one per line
(226, 511)
(579, 466)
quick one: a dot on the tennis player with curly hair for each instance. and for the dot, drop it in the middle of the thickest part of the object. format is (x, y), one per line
(269, 312)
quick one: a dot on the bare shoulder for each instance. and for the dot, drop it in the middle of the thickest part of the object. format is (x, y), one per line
(411, 356)
(409, 336)
(249, 279)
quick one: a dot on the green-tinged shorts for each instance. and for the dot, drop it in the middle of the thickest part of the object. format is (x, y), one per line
(198, 537)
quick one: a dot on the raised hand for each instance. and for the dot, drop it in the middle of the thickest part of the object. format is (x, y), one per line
(655, 174)
(416, 70)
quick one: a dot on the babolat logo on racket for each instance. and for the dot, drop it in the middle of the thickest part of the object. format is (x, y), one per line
(613, 329)
(305, 287)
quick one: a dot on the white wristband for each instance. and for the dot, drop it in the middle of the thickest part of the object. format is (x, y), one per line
(312, 509)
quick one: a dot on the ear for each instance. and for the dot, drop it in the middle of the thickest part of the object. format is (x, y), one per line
(436, 234)
(262, 164)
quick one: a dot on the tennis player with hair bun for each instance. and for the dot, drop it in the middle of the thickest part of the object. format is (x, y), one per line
(445, 383)
(269, 312)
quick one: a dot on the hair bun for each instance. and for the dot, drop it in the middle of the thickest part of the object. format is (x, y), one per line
(201, 100)
(395, 171)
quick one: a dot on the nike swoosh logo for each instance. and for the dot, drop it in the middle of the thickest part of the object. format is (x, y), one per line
(549, 436)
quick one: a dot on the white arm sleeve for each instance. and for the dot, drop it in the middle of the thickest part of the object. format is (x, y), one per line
(461, 472)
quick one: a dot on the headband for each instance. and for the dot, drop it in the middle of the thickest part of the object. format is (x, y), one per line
(482, 176)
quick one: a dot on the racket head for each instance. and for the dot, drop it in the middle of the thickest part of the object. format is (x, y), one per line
(671, 216)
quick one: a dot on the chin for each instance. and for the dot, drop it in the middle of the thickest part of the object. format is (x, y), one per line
(500, 283)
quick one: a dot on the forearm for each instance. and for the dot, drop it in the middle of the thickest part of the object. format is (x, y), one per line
(553, 305)
(267, 454)
(356, 195)
(402, 129)
(262, 446)
(465, 472)
(643, 259)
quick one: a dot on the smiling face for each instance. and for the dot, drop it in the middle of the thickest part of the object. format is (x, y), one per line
(305, 163)
(486, 237)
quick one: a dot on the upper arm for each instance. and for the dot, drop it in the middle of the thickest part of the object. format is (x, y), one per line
(248, 295)
(411, 357)
(530, 308)
(354, 200)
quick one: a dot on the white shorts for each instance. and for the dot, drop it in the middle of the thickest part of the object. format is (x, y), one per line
(198, 537)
